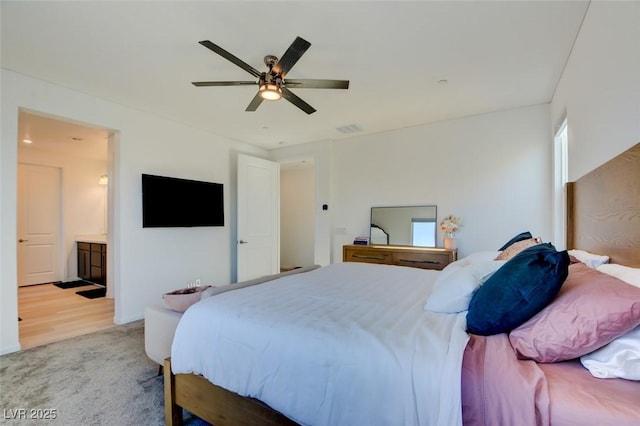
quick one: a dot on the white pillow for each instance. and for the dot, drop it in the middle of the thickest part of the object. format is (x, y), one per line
(624, 273)
(479, 256)
(589, 259)
(452, 291)
(620, 358)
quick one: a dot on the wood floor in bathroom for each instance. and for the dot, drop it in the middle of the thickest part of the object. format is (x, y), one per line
(50, 314)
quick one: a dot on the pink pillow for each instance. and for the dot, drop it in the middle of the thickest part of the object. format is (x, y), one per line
(180, 300)
(591, 310)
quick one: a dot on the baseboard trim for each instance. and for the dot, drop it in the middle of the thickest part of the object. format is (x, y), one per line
(10, 349)
(126, 320)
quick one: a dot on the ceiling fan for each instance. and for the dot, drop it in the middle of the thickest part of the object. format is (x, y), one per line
(272, 84)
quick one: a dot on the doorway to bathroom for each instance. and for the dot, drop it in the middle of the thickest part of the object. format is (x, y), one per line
(62, 196)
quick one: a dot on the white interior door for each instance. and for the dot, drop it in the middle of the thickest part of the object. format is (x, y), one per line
(258, 217)
(38, 224)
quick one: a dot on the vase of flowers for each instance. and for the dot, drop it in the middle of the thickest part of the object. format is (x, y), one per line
(450, 225)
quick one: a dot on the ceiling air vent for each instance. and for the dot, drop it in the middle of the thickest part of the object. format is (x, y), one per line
(351, 128)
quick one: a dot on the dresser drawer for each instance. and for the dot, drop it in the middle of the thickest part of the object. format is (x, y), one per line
(424, 260)
(366, 255)
(416, 257)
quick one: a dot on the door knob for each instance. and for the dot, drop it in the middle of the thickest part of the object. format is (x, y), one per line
(243, 242)
(21, 240)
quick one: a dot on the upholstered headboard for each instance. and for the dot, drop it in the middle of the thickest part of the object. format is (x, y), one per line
(603, 209)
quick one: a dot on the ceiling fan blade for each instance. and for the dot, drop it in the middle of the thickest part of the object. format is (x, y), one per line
(228, 56)
(223, 83)
(255, 102)
(291, 56)
(317, 84)
(288, 95)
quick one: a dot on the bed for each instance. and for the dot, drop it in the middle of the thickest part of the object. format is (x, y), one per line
(412, 368)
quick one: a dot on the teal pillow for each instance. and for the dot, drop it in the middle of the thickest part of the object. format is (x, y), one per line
(521, 288)
(521, 236)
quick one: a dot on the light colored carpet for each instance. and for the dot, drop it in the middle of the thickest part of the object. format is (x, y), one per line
(103, 378)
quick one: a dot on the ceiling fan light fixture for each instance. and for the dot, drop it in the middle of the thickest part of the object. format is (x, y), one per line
(271, 84)
(270, 91)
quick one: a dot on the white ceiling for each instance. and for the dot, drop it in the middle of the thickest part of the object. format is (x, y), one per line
(62, 137)
(495, 55)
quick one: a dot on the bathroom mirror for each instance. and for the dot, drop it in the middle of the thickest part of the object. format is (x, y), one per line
(403, 226)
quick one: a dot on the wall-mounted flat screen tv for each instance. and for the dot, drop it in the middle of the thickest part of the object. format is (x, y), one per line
(171, 202)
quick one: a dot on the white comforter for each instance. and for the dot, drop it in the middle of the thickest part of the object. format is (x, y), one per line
(346, 344)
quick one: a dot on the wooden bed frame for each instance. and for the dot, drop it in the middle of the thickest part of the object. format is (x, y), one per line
(212, 403)
(603, 209)
(603, 216)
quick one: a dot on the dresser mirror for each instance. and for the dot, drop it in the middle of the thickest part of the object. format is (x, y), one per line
(403, 226)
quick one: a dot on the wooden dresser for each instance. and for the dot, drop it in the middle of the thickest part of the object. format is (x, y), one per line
(417, 257)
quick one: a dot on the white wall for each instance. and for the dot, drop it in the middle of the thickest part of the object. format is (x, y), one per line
(492, 170)
(297, 208)
(147, 262)
(83, 199)
(600, 87)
